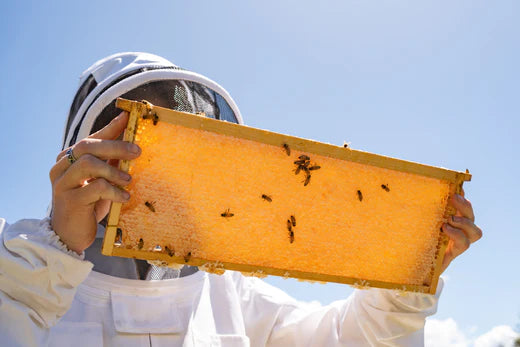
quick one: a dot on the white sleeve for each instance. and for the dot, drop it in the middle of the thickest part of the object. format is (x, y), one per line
(369, 317)
(38, 280)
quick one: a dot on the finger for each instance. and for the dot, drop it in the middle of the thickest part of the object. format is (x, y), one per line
(473, 232)
(459, 240)
(103, 149)
(100, 189)
(88, 167)
(101, 209)
(110, 132)
(113, 129)
(58, 169)
(107, 149)
(62, 154)
(463, 206)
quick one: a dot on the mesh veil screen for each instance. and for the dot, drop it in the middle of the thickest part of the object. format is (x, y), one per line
(180, 95)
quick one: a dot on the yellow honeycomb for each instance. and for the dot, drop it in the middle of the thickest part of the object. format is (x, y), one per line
(197, 194)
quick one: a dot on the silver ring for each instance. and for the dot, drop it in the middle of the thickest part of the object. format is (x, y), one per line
(70, 156)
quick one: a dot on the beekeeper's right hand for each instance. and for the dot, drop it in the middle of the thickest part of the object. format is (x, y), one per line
(77, 206)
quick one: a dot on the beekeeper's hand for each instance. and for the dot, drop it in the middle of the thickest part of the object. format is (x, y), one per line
(461, 229)
(77, 206)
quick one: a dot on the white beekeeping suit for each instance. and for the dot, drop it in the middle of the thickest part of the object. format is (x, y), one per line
(52, 296)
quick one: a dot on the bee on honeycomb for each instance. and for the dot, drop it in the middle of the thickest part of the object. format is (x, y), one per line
(287, 149)
(227, 214)
(150, 205)
(267, 198)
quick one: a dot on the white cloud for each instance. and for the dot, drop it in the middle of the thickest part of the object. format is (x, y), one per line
(446, 333)
(502, 335)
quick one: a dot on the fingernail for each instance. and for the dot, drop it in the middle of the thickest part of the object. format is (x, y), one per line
(125, 176)
(133, 148)
(126, 195)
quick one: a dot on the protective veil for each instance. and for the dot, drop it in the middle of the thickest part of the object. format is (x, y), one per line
(52, 296)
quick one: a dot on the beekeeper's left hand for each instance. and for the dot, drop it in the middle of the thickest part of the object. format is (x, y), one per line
(460, 228)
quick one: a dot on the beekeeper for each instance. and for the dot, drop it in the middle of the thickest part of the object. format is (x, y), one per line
(57, 289)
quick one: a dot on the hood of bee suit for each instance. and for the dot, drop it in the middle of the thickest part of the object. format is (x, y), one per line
(144, 76)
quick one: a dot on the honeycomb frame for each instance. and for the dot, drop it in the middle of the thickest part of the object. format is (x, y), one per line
(325, 153)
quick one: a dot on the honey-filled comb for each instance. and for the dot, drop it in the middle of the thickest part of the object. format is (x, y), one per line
(224, 196)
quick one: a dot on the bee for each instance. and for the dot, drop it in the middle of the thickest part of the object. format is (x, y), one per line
(140, 244)
(304, 157)
(155, 119)
(287, 149)
(148, 105)
(297, 170)
(467, 171)
(227, 214)
(307, 179)
(345, 144)
(291, 236)
(150, 205)
(385, 187)
(267, 198)
(293, 221)
(360, 195)
(169, 251)
(289, 225)
(119, 237)
(314, 167)
(187, 257)
(301, 162)
(149, 115)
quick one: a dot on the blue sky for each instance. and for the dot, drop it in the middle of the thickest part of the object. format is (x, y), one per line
(429, 81)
